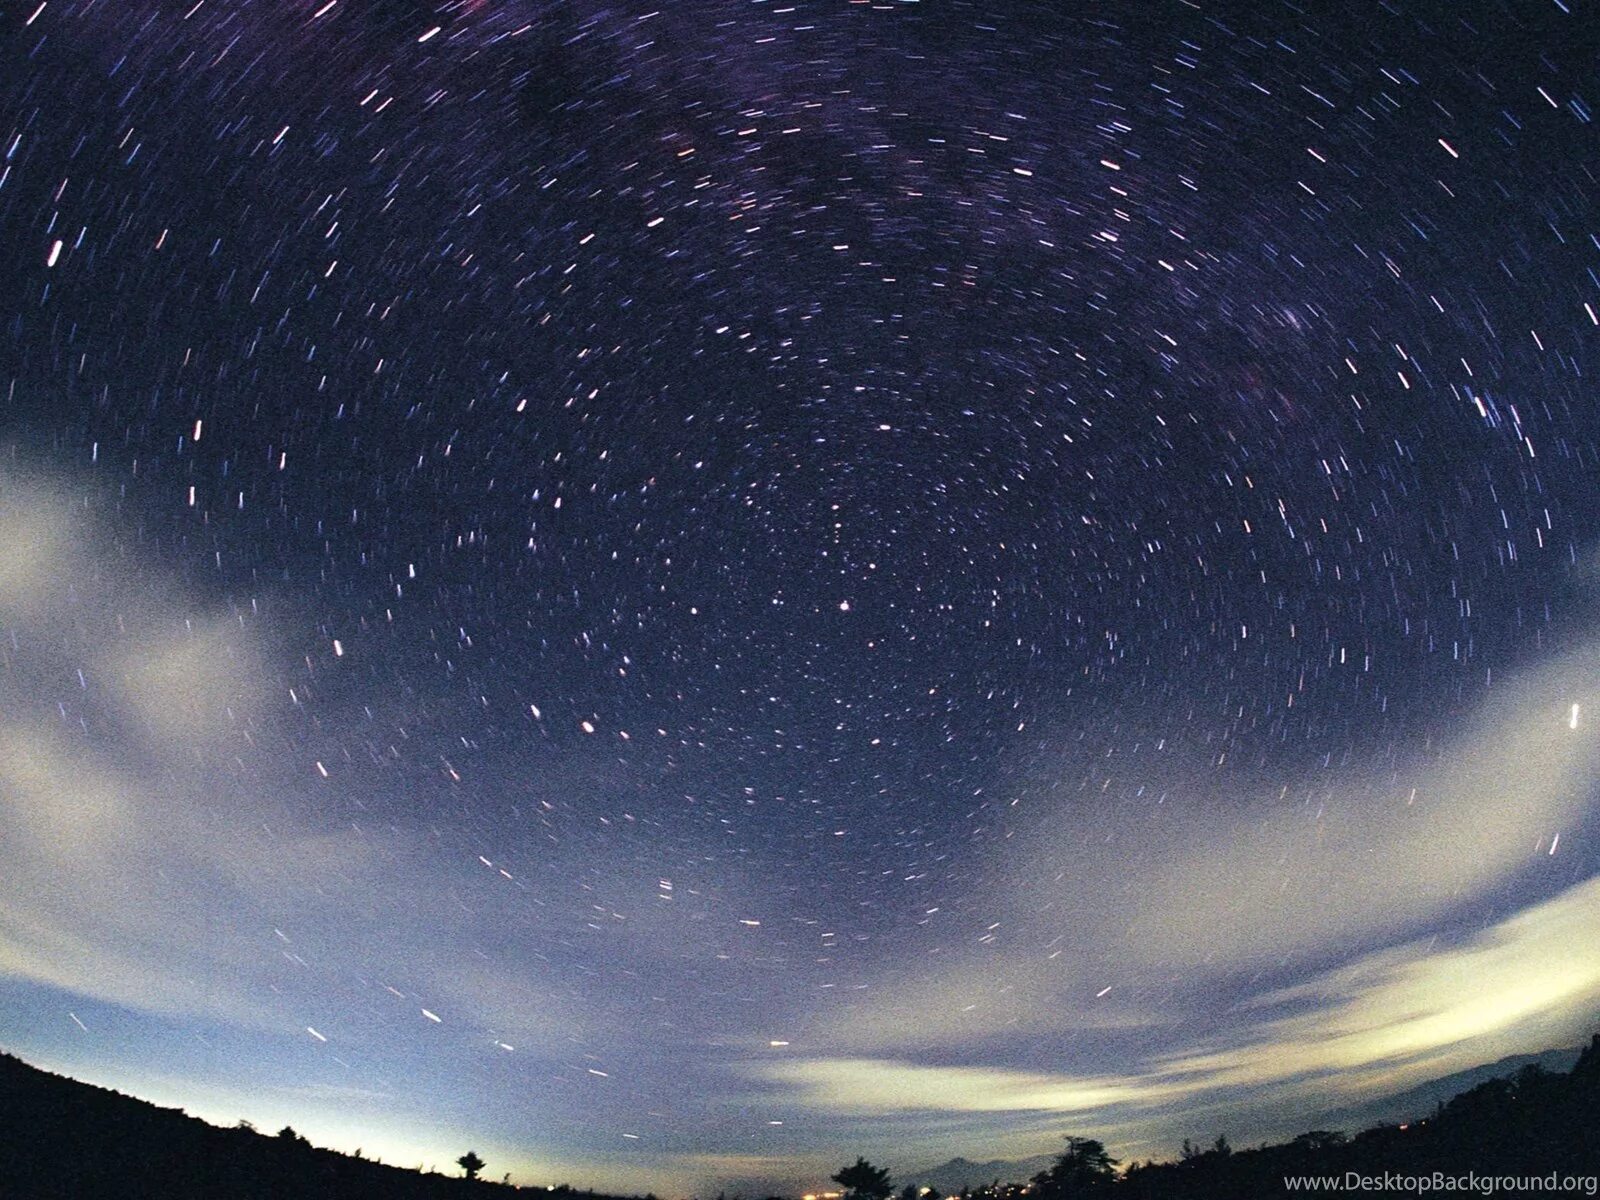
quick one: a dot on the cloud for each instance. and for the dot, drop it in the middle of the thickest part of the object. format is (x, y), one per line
(1386, 1021)
(1188, 898)
(81, 902)
(155, 856)
(876, 1087)
(1404, 1013)
(1366, 858)
(197, 682)
(40, 529)
(118, 699)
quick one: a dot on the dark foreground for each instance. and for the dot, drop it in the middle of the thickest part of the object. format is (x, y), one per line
(63, 1139)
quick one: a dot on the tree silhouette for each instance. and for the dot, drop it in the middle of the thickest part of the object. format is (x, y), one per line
(470, 1164)
(1083, 1169)
(863, 1181)
(1588, 1064)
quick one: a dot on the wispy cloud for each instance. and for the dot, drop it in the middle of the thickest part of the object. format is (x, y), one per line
(145, 865)
(1385, 1021)
(1205, 893)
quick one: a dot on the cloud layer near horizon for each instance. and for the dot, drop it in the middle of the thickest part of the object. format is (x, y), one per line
(1383, 1021)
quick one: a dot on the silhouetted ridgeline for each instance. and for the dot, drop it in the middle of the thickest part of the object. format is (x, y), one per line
(65, 1140)
(1533, 1124)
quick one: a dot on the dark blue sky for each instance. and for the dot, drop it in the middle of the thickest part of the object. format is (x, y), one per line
(678, 594)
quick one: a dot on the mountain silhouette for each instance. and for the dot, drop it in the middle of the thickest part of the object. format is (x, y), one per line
(950, 1177)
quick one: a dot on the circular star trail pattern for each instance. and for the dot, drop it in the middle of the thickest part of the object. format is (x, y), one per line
(745, 439)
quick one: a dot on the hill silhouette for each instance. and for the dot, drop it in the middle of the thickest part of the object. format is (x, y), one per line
(1534, 1125)
(1425, 1097)
(65, 1140)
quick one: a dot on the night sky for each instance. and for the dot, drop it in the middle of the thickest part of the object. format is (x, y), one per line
(676, 594)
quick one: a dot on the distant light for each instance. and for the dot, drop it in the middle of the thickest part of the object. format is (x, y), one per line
(1572, 720)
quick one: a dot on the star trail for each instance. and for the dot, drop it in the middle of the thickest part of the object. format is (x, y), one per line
(681, 593)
